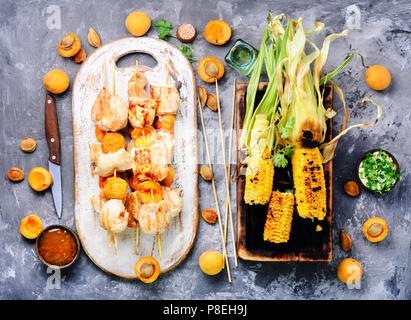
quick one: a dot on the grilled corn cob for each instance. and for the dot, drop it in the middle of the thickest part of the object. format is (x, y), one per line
(309, 183)
(259, 178)
(277, 226)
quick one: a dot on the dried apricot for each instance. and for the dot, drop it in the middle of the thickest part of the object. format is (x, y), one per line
(15, 174)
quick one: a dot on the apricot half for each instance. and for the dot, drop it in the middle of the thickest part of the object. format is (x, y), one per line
(147, 269)
(150, 192)
(217, 32)
(69, 46)
(168, 181)
(31, 226)
(56, 81)
(112, 142)
(40, 178)
(165, 122)
(375, 229)
(143, 137)
(115, 188)
(207, 75)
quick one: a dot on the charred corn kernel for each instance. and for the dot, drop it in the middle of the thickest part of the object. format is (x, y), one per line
(277, 226)
(259, 178)
(309, 183)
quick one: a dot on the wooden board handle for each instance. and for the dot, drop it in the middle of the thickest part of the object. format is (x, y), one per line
(52, 130)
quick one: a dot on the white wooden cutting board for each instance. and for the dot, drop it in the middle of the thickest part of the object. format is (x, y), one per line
(179, 238)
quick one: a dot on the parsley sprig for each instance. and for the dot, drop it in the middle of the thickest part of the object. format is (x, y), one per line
(286, 129)
(187, 52)
(164, 28)
(280, 157)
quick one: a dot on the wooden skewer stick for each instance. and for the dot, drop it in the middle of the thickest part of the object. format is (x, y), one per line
(229, 171)
(228, 198)
(115, 241)
(135, 74)
(159, 244)
(214, 191)
(114, 79)
(105, 73)
(168, 70)
(137, 237)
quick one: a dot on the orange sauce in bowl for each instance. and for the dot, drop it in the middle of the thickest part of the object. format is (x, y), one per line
(57, 247)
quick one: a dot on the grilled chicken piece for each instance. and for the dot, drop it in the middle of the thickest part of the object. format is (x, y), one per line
(174, 201)
(136, 85)
(155, 217)
(168, 98)
(150, 162)
(98, 201)
(109, 112)
(104, 164)
(167, 139)
(141, 111)
(113, 215)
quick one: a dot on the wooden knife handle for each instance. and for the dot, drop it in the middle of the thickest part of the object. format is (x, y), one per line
(52, 130)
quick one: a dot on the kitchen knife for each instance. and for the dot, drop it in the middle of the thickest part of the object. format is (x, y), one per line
(53, 141)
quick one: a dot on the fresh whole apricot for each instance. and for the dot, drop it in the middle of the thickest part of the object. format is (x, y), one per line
(349, 271)
(138, 23)
(211, 262)
(56, 81)
(378, 77)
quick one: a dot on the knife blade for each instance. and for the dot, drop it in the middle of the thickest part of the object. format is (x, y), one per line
(53, 142)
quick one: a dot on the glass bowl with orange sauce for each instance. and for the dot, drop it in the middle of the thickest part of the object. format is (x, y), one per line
(58, 246)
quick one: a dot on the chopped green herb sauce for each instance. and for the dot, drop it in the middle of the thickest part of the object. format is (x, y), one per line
(378, 171)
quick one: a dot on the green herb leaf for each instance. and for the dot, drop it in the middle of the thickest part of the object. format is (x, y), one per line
(286, 130)
(187, 52)
(163, 28)
(280, 160)
(280, 157)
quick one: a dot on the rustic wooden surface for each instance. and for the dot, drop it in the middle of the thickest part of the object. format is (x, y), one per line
(180, 236)
(305, 243)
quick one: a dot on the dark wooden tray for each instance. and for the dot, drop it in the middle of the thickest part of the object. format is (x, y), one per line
(305, 243)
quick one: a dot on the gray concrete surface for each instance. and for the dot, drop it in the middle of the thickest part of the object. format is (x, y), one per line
(28, 49)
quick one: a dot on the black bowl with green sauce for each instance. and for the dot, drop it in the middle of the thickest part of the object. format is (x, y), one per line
(378, 171)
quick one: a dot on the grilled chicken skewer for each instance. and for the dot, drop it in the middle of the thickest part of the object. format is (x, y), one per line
(142, 110)
(153, 206)
(167, 96)
(109, 111)
(113, 215)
